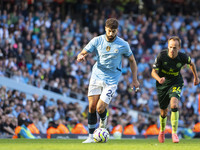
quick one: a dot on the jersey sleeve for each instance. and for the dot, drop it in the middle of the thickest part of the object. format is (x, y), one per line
(157, 63)
(127, 50)
(91, 46)
(185, 58)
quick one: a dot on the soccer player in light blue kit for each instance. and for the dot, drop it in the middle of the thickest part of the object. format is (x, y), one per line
(109, 49)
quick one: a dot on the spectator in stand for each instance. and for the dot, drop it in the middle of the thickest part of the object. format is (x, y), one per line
(42, 125)
(117, 129)
(25, 132)
(152, 128)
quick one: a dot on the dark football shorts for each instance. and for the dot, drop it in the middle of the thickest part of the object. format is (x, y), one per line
(166, 93)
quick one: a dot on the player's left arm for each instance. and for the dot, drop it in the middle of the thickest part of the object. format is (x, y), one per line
(194, 71)
(133, 67)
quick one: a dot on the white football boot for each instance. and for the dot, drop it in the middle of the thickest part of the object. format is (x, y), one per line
(90, 139)
(103, 124)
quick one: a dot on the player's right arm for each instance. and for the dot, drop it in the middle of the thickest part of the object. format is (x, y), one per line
(89, 48)
(156, 67)
(155, 75)
(81, 56)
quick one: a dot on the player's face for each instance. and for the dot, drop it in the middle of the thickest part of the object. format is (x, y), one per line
(173, 48)
(110, 34)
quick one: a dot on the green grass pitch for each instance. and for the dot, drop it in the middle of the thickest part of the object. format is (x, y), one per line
(75, 144)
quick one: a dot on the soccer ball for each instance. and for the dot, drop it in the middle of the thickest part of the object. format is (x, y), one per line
(101, 135)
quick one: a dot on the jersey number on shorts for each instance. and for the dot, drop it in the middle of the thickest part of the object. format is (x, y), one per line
(109, 94)
(177, 90)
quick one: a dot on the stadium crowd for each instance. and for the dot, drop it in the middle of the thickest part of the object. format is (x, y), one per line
(39, 44)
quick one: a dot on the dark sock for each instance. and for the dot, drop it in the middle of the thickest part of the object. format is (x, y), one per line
(92, 120)
(103, 115)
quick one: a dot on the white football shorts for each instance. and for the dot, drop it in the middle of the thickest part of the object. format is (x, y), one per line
(99, 87)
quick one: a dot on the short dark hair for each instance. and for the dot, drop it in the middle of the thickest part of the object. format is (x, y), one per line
(175, 38)
(112, 23)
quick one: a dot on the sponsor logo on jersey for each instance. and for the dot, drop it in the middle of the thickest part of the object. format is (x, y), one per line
(165, 63)
(178, 65)
(116, 50)
(170, 73)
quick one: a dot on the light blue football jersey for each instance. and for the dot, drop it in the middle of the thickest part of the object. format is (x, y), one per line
(109, 58)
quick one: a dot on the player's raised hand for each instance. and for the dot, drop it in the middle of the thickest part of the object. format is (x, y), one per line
(196, 81)
(162, 80)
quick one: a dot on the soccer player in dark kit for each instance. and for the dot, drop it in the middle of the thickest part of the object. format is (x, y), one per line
(169, 82)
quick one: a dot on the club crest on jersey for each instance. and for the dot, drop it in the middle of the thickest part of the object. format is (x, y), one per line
(178, 65)
(108, 48)
(116, 50)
